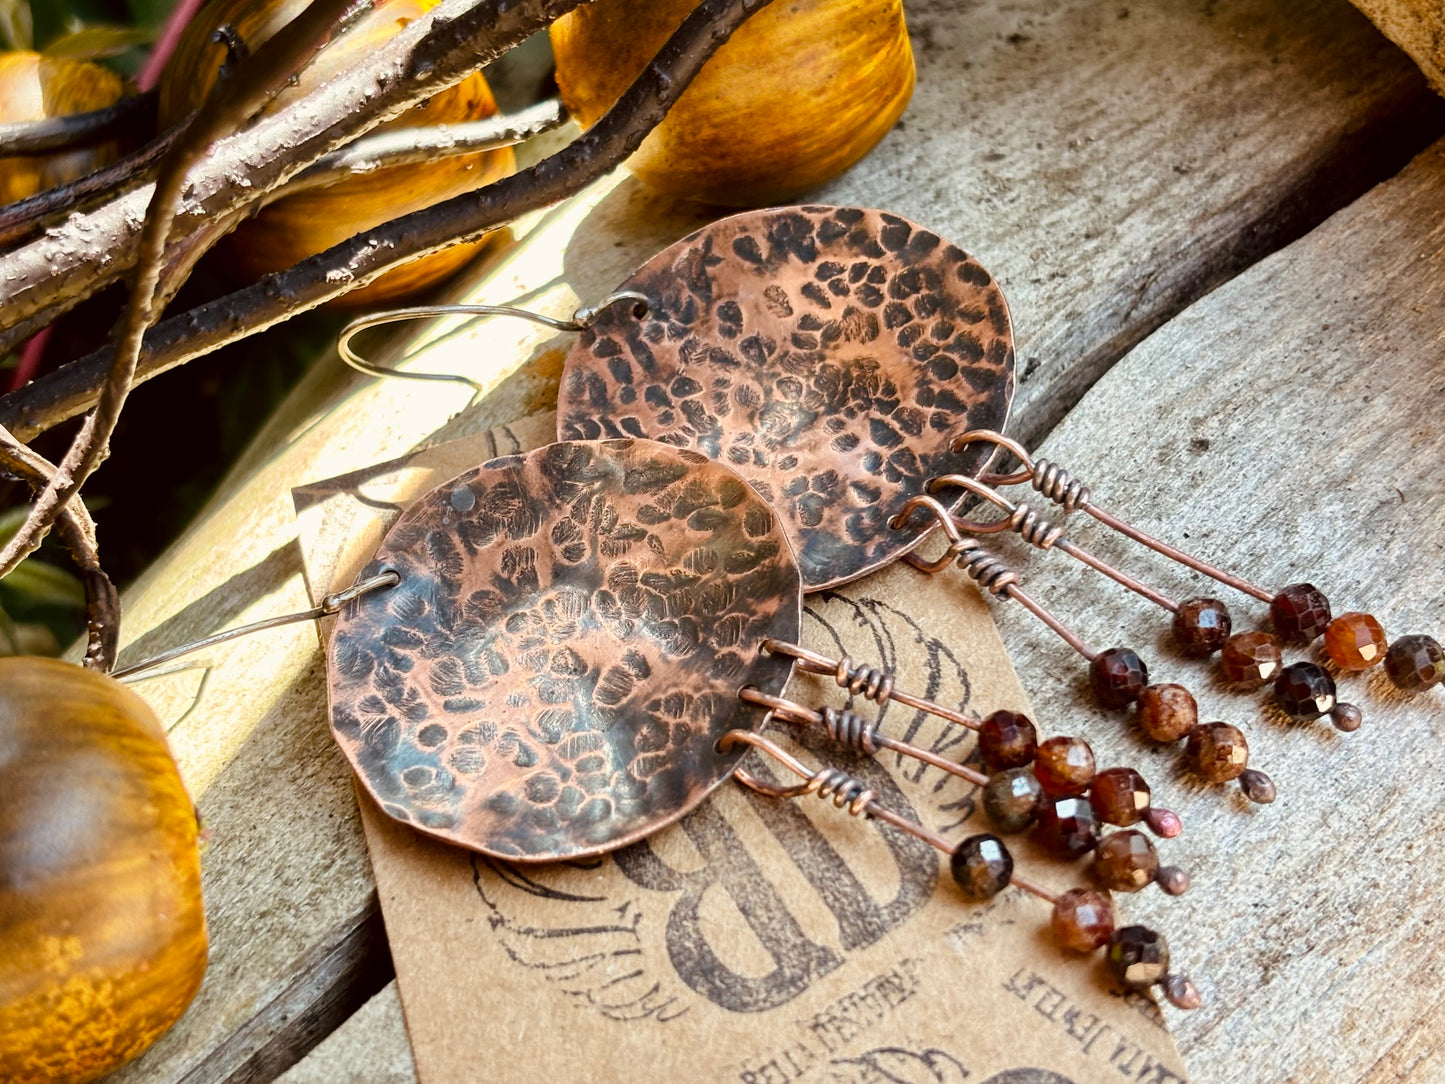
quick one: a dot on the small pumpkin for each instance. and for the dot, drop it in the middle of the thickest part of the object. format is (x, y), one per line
(35, 87)
(102, 932)
(801, 91)
(301, 225)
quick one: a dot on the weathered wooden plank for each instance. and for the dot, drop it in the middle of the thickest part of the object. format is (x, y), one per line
(1108, 169)
(1290, 426)
(370, 1048)
(1418, 27)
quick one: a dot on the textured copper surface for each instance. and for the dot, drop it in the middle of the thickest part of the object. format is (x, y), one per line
(550, 676)
(830, 355)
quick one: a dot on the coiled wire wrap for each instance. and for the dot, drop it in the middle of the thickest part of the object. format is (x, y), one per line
(870, 682)
(1034, 528)
(842, 789)
(850, 729)
(1055, 483)
(985, 568)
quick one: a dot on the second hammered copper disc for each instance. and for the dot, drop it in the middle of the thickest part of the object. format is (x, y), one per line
(828, 354)
(551, 674)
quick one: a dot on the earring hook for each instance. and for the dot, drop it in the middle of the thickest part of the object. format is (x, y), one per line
(582, 318)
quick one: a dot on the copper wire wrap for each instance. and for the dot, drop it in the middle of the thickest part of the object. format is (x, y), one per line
(850, 729)
(844, 790)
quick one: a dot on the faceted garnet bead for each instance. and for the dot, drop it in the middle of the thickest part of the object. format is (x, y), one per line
(1064, 766)
(1300, 613)
(1355, 641)
(1119, 796)
(1067, 827)
(1011, 799)
(1167, 712)
(1251, 660)
(1007, 740)
(1201, 625)
(1138, 957)
(1119, 676)
(1415, 663)
(1125, 861)
(1217, 751)
(1083, 919)
(982, 866)
(1304, 691)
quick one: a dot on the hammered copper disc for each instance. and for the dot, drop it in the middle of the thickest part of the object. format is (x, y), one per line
(565, 647)
(828, 354)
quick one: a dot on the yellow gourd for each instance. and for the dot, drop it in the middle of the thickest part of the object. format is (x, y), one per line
(102, 933)
(802, 91)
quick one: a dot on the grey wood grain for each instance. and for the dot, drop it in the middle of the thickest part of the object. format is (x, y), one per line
(1291, 425)
(1108, 163)
(370, 1048)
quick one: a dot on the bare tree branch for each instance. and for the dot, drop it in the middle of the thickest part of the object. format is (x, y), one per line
(76, 531)
(71, 389)
(88, 250)
(232, 102)
(128, 116)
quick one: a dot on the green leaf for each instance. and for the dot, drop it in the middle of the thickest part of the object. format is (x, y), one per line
(44, 584)
(97, 43)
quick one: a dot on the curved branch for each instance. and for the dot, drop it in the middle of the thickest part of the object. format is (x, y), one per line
(71, 389)
(231, 103)
(89, 250)
(127, 116)
(76, 531)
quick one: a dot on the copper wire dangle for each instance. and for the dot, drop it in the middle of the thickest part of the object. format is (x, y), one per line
(1299, 613)
(1167, 712)
(981, 865)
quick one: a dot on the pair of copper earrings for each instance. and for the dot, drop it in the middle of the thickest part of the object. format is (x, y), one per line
(582, 642)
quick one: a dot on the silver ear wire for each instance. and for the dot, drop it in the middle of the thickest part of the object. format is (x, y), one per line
(581, 319)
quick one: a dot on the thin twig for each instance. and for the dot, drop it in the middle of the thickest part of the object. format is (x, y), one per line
(88, 250)
(160, 54)
(413, 146)
(231, 103)
(76, 531)
(71, 389)
(74, 130)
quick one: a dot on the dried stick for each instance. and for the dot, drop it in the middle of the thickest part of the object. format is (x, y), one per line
(71, 389)
(136, 113)
(231, 103)
(76, 531)
(92, 248)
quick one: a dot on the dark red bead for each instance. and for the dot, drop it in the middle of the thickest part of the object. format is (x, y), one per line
(981, 866)
(1304, 691)
(1300, 613)
(1007, 739)
(1138, 957)
(1083, 919)
(1119, 676)
(1415, 663)
(1119, 796)
(1068, 827)
(1064, 766)
(1201, 625)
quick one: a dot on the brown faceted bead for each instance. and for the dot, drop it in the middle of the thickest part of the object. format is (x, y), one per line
(1064, 766)
(1067, 827)
(1167, 712)
(1217, 751)
(1138, 957)
(1355, 641)
(1201, 625)
(1007, 740)
(1083, 920)
(1415, 663)
(1251, 660)
(1300, 613)
(1011, 799)
(1119, 796)
(1125, 861)
(1304, 691)
(982, 866)
(1119, 676)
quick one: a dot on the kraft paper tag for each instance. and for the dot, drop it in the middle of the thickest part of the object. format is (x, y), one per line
(758, 940)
